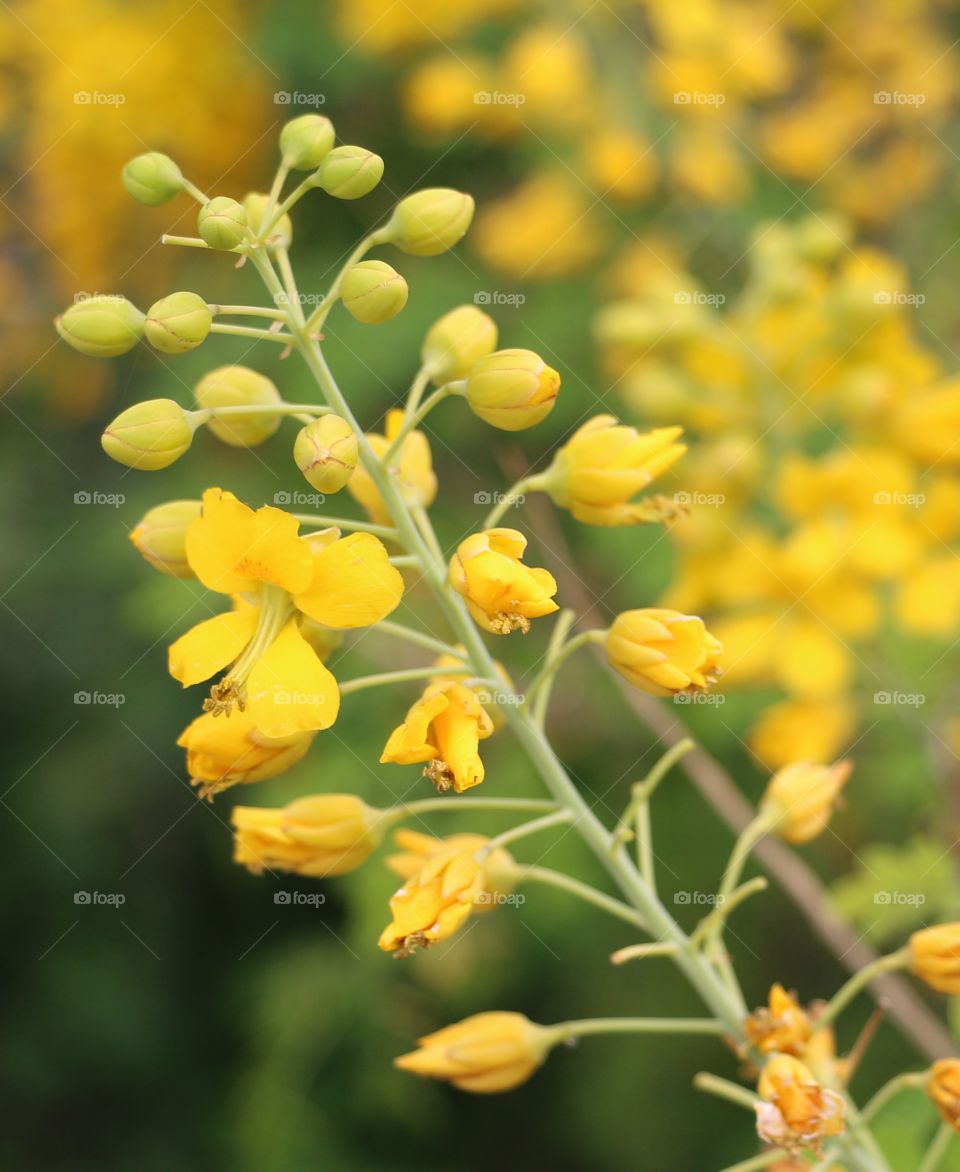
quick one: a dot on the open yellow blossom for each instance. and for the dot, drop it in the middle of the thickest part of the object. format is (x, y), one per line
(443, 729)
(796, 1113)
(502, 594)
(230, 750)
(412, 471)
(444, 882)
(604, 464)
(943, 1087)
(485, 1053)
(801, 797)
(662, 651)
(316, 836)
(781, 1026)
(935, 957)
(275, 577)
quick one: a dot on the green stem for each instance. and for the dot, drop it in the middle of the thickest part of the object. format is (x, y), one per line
(456, 803)
(652, 948)
(293, 198)
(419, 638)
(525, 829)
(249, 311)
(584, 891)
(722, 1088)
(271, 409)
(888, 1091)
(764, 1160)
(187, 241)
(361, 683)
(937, 1149)
(348, 523)
(553, 665)
(507, 500)
(637, 1025)
(315, 322)
(251, 332)
(266, 220)
(565, 620)
(720, 914)
(192, 190)
(412, 420)
(847, 992)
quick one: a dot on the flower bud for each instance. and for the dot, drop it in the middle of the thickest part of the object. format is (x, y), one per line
(456, 342)
(160, 537)
(782, 1026)
(796, 1113)
(316, 836)
(430, 221)
(178, 323)
(149, 435)
(326, 453)
(512, 389)
(255, 204)
(662, 652)
(101, 327)
(152, 178)
(943, 1087)
(349, 172)
(485, 1053)
(239, 386)
(305, 140)
(222, 223)
(935, 957)
(373, 292)
(800, 797)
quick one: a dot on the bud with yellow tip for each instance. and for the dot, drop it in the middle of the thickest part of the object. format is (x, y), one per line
(349, 172)
(152, 178)
(943, 1087)
(796, 1112)
(800, 798)
(485, 1053)
(160, 537)
(430, 221)
(222, 223)
(456, 342)
(326, 452)
(512, 389)
(255, 204)
(150, 435)
(373, 292)
(304, 141)
(102, 326)
(662, 651)
(178, 323)
(239, 386)
(316, 836)
(934, 957)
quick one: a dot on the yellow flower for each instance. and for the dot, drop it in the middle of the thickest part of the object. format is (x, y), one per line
(412, 469)
(662, 651)
(485, 1053)
(443, 728)
(801, 798)
(276, 577)
(503, 594)
(781, 1026)
(799, 730)
(316, 836)
(604, 464)
(230, 750)
(935, 957)
(943, 1087)
(444, 883)
(797, 1113)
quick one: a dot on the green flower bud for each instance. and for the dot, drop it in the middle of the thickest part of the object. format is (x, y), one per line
(254, 204)
(152, 179)
(326, 453)
(349, 172)
(430, 221)
(222, 223)
(512, 389)
(238, 386)
(456, 342)
(373, 292)
(150, 435)
(160, 537)
(101, 326)
(305, 140)
(178, 323)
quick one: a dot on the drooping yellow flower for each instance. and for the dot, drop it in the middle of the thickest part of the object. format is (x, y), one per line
(801, 797)
(796, 1113)
(276, 577)
(943, 1087)
(443, 729)
(485, 1053)
(935, 957)
(444, 882)
(412, 470)
(662, 651)
(781, 1026)
(604, 464)
(502, 594)
(316, 836)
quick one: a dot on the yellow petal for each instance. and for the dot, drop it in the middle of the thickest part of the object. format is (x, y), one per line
(353, 583)
(211, 645)
(289, 689)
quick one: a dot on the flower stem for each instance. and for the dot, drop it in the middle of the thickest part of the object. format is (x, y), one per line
(419, 638)
(638, 1025)
(583, 891)
(361, 683)
(252, 332)
(249, 311)
(722, 1088)
(900, 1082)
(525, 829)
(508, 499)
(321, 522)
(430, 805)
(847, 992)
(417, 416)
(938, 1149)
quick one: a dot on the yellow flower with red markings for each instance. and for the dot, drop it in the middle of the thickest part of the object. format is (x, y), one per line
(502, 594)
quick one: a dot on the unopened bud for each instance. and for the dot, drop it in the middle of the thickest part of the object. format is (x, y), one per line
(456, 342)
(222, 223)
(326, 453)
(374, 292)
(512, 389)
(101, 327)
(238, 386)
(349, 172)
(178, 323)
(150, 435)
(255, 204)
(304, 141)
(160, 537)
(152, 178)
(430, 222)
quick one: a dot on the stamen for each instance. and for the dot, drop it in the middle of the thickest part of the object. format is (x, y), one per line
(507, 621)
(440, 773)
(274, 610)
